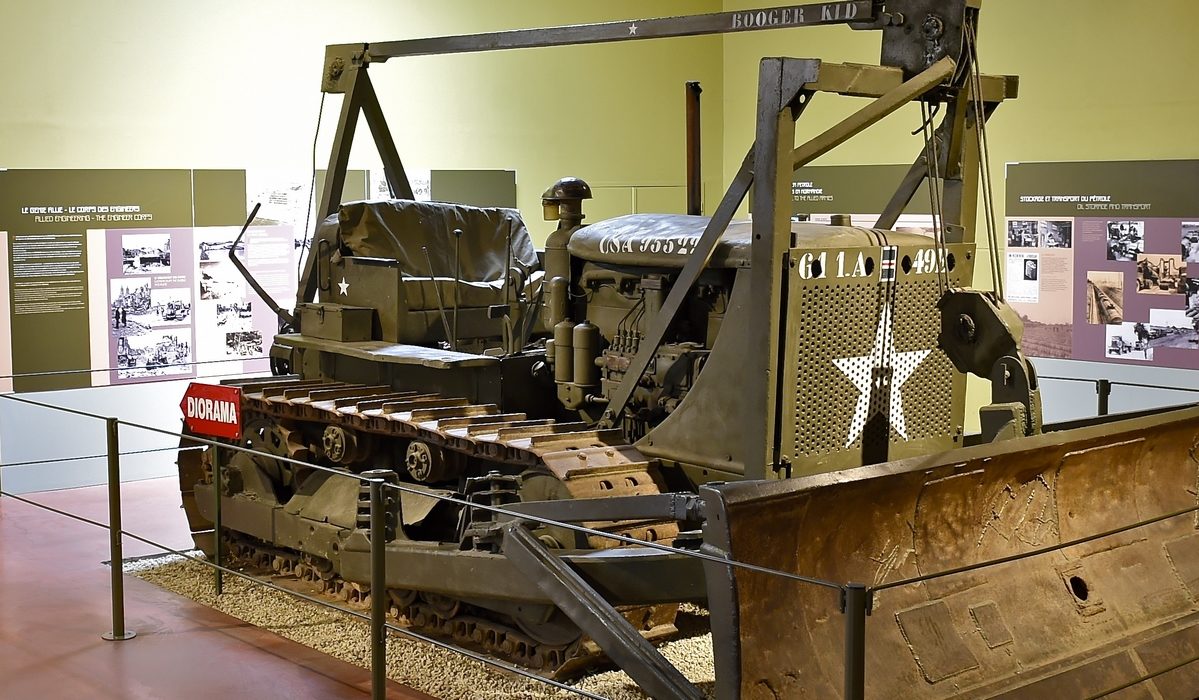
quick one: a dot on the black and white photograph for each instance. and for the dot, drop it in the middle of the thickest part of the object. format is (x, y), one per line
(1023, 276)
(1172, 328)
(219, 279)
(171, 306)
(1160, 274)
(1192, 296)
(1190, 241)
(129, 307)
(1022, 234)
(1056, 234)
(154, 354)
(146, 253)
(234, 316)
(1125, 240)
(1105, 297)
(243, 344)
(1128, 341)
(218, 251)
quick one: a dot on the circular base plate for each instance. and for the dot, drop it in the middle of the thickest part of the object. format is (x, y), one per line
(129, 634)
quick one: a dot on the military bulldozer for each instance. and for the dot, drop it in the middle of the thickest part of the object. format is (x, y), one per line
(765, 417)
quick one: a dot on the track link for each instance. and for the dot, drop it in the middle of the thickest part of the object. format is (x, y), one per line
(589, 463)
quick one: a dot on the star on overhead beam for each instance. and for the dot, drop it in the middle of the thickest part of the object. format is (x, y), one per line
(869, 374)
(343, 287)
(633, 29)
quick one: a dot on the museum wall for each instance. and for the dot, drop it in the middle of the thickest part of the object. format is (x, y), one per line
(146, 84)
(1101, 80)
(225, 84)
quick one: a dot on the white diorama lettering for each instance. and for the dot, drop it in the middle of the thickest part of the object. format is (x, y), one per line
(211, 409)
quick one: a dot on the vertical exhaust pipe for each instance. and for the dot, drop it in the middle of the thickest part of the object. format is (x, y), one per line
(694, 181)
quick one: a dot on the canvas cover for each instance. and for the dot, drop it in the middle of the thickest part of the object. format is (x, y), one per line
(400, 229)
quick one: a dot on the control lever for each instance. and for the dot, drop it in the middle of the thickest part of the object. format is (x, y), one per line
(282, 313)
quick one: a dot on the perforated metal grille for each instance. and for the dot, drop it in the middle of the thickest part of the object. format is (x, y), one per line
(835, 328)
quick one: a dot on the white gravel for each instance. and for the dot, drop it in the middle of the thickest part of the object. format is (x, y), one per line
(435, 671)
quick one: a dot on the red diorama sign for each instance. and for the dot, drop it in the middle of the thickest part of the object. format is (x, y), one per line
(212, 410)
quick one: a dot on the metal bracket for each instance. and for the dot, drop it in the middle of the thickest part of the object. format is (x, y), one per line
(660, 506)
(596, 617)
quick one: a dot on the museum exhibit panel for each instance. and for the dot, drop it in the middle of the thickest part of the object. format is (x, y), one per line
(785, 436)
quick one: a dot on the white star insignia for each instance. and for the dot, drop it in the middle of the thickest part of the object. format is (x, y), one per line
(343, 287)
(633, 29)
(864, 372)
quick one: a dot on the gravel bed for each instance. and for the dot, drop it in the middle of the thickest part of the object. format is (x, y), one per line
(432, 670)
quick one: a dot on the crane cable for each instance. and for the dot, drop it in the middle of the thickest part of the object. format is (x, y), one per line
(984, 161)
(932, 164)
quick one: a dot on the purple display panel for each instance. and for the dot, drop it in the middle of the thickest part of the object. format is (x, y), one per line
(150, 305)
(1133, 254)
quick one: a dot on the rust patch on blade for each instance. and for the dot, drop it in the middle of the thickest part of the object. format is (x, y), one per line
(939, 650)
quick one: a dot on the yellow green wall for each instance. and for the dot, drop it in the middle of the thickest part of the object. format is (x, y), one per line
(228, 83)
(1099, 80)
(225, 83)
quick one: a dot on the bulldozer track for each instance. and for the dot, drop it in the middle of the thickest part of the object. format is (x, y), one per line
(589, 463)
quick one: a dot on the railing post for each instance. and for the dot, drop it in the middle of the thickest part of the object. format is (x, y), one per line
(378, 592)
(216, 525)
(1103, 387)
(115, 556)
(854, 605)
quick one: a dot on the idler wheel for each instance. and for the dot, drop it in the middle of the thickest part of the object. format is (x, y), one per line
(555, 630)
(340, 445)
(426, 463)
(445, 606)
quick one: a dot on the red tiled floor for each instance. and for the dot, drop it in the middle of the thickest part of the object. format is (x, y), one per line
(54, 605)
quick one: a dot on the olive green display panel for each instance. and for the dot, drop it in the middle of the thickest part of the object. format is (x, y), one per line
(47, 214)
(478, 188)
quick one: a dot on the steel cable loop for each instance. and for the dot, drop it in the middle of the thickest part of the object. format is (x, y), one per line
(311, 599)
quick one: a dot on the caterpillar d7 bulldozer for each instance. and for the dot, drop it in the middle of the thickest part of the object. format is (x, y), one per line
(773, 409)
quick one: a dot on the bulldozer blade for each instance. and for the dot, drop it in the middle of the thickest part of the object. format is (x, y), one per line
(1073, 560)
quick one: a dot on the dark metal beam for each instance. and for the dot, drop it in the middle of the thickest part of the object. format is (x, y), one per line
(779, 104)
(694, 149)
(869, 115)
(596, 617)
(393, 167)
(856, 12)
(659, 506)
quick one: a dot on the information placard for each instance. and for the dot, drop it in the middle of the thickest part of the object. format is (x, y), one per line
(1102, 260)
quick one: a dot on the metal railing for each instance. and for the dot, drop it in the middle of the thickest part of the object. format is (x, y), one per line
(854, 600)
(1103, 389)
(377, 616)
